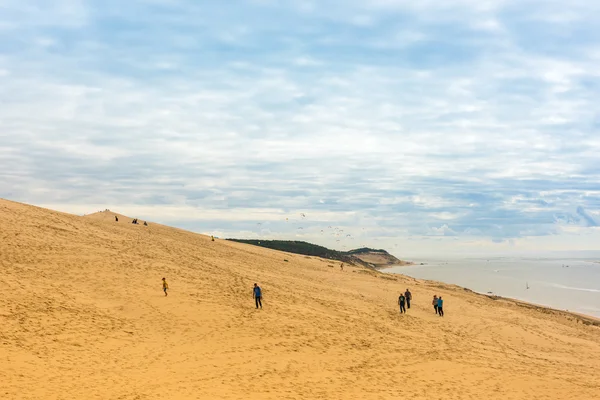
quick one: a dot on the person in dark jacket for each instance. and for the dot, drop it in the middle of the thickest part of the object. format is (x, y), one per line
(401, 301)
(408, 296)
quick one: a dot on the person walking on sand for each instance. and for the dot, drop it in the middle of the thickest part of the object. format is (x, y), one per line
(116, 219)
(401, 301)
(408, 296)
(257, 294)
(435, 303)
(440, 306)
(165, 286)
(342, 266)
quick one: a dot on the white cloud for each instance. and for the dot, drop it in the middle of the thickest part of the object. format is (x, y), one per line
(215, 119)
(307, 62)
(443, 230)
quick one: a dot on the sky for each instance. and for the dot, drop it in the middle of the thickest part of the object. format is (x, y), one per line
(422, 127)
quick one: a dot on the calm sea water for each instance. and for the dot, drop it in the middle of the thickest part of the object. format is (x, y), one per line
(561, 283)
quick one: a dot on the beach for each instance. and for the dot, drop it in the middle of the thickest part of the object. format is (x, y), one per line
(565, 283)
(83, 316)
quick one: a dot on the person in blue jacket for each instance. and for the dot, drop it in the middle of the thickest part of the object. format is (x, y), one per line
(440, 306)
(257, 293)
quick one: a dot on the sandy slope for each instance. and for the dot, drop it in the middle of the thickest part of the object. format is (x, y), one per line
(381, 261)
(82, 316)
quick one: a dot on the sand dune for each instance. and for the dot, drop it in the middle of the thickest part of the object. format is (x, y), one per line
(83, 316)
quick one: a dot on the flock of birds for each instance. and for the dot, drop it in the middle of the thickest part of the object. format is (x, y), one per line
(333, 231)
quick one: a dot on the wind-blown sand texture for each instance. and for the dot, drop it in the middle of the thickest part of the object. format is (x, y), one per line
(83, 316)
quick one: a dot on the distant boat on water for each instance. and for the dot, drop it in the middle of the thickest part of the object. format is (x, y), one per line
(527, 285)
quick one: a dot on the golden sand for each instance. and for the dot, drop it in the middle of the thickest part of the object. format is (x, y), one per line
(83, 316)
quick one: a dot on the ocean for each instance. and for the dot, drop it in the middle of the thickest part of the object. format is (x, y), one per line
(563, 283)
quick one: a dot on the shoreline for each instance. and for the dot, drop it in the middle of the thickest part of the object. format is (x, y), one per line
(584, 318)
(382, 267)
(587, 319)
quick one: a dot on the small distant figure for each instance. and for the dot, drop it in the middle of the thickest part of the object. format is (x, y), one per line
(212, 238)
(165, 286)
(134, 221)
(116, 219)
(145, 223)
(257, 294)
(440, 306)
(435, 303)
(401, 301)
(408, 296)
(341, 266)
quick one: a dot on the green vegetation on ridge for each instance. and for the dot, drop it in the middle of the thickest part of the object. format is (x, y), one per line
(309, 249)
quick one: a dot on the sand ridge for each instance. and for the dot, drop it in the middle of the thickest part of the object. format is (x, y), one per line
(83, 316)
